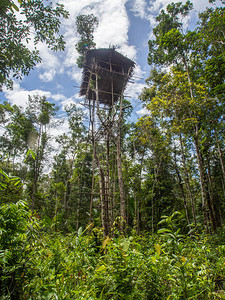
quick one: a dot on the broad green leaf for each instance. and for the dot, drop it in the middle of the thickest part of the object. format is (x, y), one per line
(3, 185)
(80, 231)
(164, 230)
(105, 241)
(31, 152)
(183, 259)
(157, 249)
(101, 268)
(14, 6)
(4, 174)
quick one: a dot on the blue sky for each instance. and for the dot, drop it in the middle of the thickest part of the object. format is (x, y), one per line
(126, 24)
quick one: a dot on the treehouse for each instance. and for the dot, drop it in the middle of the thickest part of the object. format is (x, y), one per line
(105, 75)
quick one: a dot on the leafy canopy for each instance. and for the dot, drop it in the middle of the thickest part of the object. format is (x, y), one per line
(85, 27)
(36, 17)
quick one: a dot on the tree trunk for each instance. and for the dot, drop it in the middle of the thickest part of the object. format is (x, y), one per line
(206, 203)
(103, 200)
(202, 180)
(220, 155)
(92, 119)
(212, 202)
(103, 188)
(121, 184)
(120, 174)
(182, 191)
(137, 212)
(205, 196)
(107, 180)
(113, 199)
(187, 181)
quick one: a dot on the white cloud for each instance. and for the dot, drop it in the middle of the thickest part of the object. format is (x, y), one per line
(50, 65)
(113, 24)
(135, 87)
(129, 51)
(19, 95)
(139, 8)
(133, 90)
(58, 97)
(48, 76)
(49, 59)
(142, 112)
(59, 86)
(154, 8)
(75, 73)
(72, 100)
(58, 130)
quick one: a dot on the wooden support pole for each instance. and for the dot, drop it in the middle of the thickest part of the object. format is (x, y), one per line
(120, 174)
(92, 120)
(103, 188)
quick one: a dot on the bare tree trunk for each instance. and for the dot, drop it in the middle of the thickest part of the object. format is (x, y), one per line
(137, 198)
(107, 179)
(121, 183)
(137, 212)
(202, 180)
(67, 197)
(206, 203)
(182, 191)
(120, 173)
(92, 120)
(78, 208)
(187, 180)
(102, 195)
(135, 209)
(101, 200)
(205, 196)
(138, 215)
(220, 155)
(36, 170)
(113, 200)
(104, 203)
(156, 171)
(33, 194)
(127, 220)
(103, 190)
(212, 202)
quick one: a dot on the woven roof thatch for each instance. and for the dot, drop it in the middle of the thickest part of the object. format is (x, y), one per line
(113, 71)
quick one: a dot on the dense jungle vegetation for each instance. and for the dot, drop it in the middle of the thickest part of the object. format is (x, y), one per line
(159, 233)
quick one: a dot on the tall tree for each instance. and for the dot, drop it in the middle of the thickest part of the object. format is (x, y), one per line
(70, 187)
(40, 112)
(37, 17)
(16, 131)
(85, 27)
(189, 53)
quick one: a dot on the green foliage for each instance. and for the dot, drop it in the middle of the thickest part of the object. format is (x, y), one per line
(10, 188)
(16, 58)
(192, 276)
(173, 168)
(84, 265)
(211, 49)
(85, 28)
(17, 234)
(170, 44)
(185, 98)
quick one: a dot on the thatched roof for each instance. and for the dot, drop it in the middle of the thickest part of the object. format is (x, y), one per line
(113, 71)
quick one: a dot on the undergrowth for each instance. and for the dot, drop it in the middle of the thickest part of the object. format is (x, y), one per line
(35, 264)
